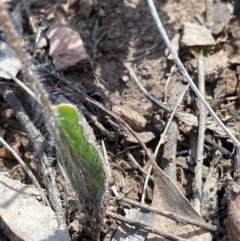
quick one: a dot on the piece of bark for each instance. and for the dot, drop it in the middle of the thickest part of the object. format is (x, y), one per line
(209, 201)
(23, 217)
(170, 147)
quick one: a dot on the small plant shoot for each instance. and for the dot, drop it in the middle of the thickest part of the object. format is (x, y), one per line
(82, 158)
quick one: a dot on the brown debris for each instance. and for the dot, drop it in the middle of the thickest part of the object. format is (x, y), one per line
(17, 147)
(233, 219)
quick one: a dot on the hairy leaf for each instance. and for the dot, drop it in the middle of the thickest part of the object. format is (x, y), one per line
(82, 159)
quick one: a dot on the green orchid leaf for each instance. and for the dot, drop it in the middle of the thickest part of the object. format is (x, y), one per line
(82, 158)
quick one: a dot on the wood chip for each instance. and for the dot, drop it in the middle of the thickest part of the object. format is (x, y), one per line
(145, 136)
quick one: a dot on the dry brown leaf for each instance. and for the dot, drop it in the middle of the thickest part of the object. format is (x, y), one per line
(168, 197)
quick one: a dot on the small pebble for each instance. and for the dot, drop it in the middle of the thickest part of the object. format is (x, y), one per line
(132, 117)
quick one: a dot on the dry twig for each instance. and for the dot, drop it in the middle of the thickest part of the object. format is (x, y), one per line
(27, 170)
(200, 142)
(38, 142)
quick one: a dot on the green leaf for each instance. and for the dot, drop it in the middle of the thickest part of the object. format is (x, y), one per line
(82, 158)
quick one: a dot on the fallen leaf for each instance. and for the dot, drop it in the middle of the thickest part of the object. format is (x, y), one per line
(168, 197)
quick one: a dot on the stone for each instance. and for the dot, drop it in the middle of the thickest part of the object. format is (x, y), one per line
(218, 15)
(132, 117)
(23, 217)
(9, 63)
(196, 35)
(214, 63)
(67, 49)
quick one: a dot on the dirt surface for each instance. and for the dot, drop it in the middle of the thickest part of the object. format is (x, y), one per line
(118, 35)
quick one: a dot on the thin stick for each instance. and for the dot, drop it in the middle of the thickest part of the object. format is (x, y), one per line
(38, 142)
(218, 147)
(20, 83)
(15, 40)
(169, 121)
(143, 226)
(146, 93)
(172, 70)
(136, 80)
(200, 141)
(145, 184)
(27, 170)
(185, 74)
(135, 164)
(106, 162)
